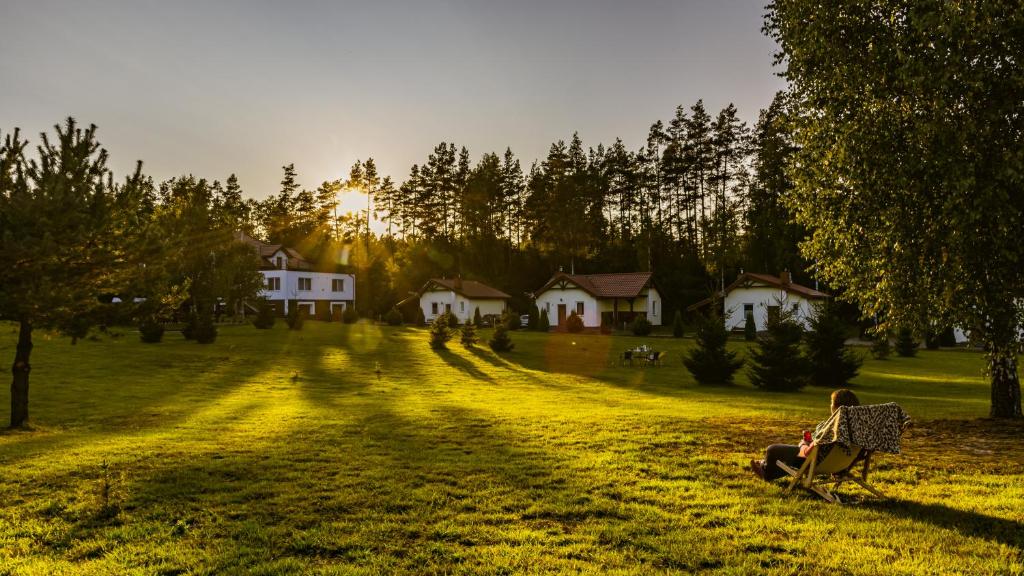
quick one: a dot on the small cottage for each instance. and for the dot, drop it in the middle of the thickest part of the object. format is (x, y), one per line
(760, 295)
(461, 298)
(609, 299)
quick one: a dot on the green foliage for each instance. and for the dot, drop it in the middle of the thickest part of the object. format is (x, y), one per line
(543, 325)
(265, 317)
(880, 348)
(534, 317)
(906, 343)
(832, 364)
(469, 337)
(750, 329)
(350, 316)
(677, 324)
(777, 362)
(204, 331)
(574, 323)
(915, 180)
(151, 331)
(453, 320)
(440, 332)
(710, 363)
(511, 320)
(641, 326)
(393, 317)
(296, 316)
(501, 341)
(478, 319)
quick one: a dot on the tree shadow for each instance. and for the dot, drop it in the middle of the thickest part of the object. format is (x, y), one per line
(964, 522)
(459, 363)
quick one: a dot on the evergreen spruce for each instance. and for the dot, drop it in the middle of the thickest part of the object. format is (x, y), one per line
(440, 332)
(906, 344)
(641, 326)
(880, 348)
(393, 317)
(832, 364)
(710, 363)
(265, 318)
(204, 331)
(151, 331)
(677, 324)
(469, 337)
(534, 314)
(477, 318)
(500, 340)
(750, 329)
(543, 325)
(574, 323)
(512, 320)
(295, 317)
(453, 320)
(778, 364)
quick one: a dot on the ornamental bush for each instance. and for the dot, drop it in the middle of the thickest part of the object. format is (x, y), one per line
(469, 337)
(574, 323)
(750, 329)
(543, 325)
(778, 364)
(204, 331)
(295, 317)
(641, 326)
(393, 317)
(906, 344)
(677, 324)
(710, 362)
(265, 318)
(501, 341)
(350, 316)
(151, 331)
(440, 333)
(832, 364)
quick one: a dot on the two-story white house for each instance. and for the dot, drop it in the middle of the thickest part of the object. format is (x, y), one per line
(291, 280)
(461, 298)
(759, 295)
(611, 299)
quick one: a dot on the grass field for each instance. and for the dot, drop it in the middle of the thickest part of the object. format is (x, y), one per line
(286, 453)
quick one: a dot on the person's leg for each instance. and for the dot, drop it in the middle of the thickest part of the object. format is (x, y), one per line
(786, 453)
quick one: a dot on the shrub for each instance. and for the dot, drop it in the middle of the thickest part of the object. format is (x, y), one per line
(350, 316)
(881, 349)
(750, 329)
(151, 331)
(677, 324)
(512, 320)
(710, 362)
(295, 317)
(947, 337)
(453, 320)
(440, 333)
(534, 314)
(543, 324)
(393, 317)
(501, 341)
(574, 323)
(264, 315)
(641, 326)
(906, 344)
(477, 318)
(778, 364)
(188, 331)
(831, 363)
(204, 331)
(469, 338)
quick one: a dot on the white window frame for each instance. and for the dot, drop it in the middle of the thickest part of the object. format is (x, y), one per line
(310, 307)
(309, 282)
(579, 309)
(339, 282)
(273, 284)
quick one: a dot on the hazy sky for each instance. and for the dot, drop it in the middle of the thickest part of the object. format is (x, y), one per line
(216, 87)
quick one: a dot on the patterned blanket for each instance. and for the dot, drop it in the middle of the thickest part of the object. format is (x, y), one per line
(872, 427)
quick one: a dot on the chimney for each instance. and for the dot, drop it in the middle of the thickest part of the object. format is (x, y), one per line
(458, 282)
(785, 277)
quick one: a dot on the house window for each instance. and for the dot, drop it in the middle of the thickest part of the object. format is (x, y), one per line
(796, 307)
(280, 262)
(338, 285)
(579, 308)
(447, 308)
(654, 307)
(305, 284)
(273, 284)
(462, 306)
(748, 310)
(433, 308)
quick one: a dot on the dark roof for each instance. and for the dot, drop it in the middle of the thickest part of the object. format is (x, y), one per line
(621, 285)
(467, 288)
(774, 281)
(295, 260)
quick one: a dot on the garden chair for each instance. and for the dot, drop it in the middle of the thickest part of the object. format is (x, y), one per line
(844, 445)
(627, 357)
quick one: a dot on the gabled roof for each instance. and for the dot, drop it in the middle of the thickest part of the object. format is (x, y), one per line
(747, 279)
(621, 285)
(466, 288)
(265, 251)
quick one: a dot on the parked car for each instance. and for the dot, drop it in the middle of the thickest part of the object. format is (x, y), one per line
(524, 321)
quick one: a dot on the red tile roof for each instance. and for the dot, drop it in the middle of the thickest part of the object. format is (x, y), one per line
(622, 285)
(467, 288)
(774, 281)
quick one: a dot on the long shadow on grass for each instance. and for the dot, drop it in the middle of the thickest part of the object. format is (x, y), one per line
(459, 363)
(965, 522)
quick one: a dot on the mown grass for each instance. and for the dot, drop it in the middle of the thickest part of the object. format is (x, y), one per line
(286, 453)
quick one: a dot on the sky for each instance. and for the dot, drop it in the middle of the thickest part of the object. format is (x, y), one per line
(219, 87)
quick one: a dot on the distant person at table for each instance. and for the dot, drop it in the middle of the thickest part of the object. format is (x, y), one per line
(794, 454)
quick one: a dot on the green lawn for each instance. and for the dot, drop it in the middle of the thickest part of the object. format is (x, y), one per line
(285, 453)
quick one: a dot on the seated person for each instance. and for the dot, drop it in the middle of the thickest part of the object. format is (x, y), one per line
(793, 455)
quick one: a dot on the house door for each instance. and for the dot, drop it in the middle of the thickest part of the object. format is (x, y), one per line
(561, 314)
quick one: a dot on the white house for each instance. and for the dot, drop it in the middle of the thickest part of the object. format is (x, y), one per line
(611, 299)
(759, 295)
(460, 297)
(291, 280)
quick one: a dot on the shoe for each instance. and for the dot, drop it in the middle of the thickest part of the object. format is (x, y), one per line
(758, 467)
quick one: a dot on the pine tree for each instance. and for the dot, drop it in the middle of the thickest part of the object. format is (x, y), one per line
(543, 325)
(295, 317)
(710, 362)
(906, 344)
(832, 364)
(778, 364)
(264, 315)
(440, 333)
(750, 328)
(477, 318)
(574, 323)
(880, 348)
(677, 324)
(469, 337)
(500, 340)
